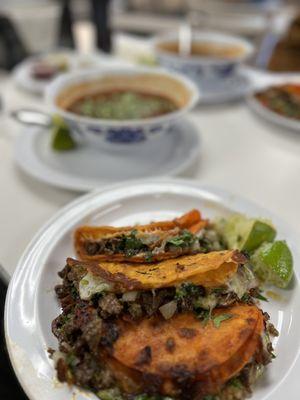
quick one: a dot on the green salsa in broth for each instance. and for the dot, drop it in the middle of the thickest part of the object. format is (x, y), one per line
(122, 105)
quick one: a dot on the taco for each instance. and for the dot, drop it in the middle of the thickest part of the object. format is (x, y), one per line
(141, 243)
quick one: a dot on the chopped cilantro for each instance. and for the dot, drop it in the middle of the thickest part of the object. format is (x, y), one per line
(188, 290)
(219, 290)
(220, 318)
(246, 298)
(259, 296)
(204, 316)
(130, 244)
(149, 256)
(74, 292)
(186, 239)
(236, 383)
(72, 360)
(64, 318)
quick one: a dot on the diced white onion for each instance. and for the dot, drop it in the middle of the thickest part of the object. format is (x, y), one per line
(169, 309)
(130, 296)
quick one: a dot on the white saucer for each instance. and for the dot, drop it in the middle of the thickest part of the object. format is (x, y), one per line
(229, 89)
(86, 168)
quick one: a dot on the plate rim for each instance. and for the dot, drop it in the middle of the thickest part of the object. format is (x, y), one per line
(19, 72)
(269, 115)
(27, 139)
(213, 192)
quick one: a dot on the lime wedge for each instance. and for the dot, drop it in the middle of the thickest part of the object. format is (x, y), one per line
(57, 120)
(61, 138)
(242, 233)
(273, 263)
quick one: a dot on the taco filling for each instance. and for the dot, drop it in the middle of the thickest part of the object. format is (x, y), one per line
(197, 282)
(151, 244)
(188, 234)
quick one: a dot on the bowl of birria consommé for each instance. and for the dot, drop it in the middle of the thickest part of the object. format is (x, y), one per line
(211, 57)
(120, 106)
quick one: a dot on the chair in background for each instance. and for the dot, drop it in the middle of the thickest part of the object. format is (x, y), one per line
(12, 48)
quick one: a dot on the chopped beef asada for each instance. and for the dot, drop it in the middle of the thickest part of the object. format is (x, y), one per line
(188, 297)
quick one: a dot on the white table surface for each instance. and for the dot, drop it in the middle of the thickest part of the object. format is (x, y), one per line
(240, 153)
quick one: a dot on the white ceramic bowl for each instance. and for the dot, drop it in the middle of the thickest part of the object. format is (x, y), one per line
(205, 71)
(113, 133)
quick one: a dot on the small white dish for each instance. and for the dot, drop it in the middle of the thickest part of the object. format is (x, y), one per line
(271, 116)
(107, 133)
(31, 304)
(21, 75)
(86, 168)
(229, 89)
(24, 80)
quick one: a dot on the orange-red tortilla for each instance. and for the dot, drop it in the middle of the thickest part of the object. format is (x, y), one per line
(202, 353)
(210, 270)
(192, 221)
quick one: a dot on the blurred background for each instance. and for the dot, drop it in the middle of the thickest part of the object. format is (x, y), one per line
(90, 24)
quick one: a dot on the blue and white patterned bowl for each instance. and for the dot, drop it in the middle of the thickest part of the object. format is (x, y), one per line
(205, 71)
(105, 133)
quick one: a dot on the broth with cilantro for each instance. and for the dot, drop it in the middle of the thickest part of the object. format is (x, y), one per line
(122, 105)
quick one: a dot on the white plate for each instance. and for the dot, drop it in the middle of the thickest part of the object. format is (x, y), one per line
(22, 72)
(230, 89)
(268, 114)
(31, 304)
(87, 168)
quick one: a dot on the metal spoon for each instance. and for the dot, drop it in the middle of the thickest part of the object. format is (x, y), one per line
(29, 116)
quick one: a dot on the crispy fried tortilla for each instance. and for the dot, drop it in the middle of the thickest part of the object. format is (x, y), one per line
(209, 270)
(87, 237)
(184, 349)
